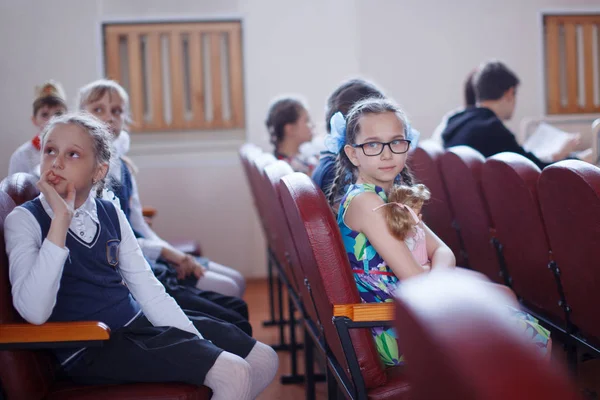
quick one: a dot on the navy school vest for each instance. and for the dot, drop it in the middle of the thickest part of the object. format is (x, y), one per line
(124, 189)
(91, 287)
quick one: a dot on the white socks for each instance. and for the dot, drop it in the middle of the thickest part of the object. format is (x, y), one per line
(229, 378)
(232, 377)
(264, 363)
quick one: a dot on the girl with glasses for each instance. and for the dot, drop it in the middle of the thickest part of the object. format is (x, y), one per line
(373, 156)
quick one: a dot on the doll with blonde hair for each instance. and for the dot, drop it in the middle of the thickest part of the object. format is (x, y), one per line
(403, 216)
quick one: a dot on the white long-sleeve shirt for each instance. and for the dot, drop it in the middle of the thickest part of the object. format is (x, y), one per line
(36, 266)
(25, 159)
(151, 244)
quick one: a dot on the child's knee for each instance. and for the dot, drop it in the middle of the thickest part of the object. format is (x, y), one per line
(269, 360)
(229, 287)
(219, 377)
(219, 283)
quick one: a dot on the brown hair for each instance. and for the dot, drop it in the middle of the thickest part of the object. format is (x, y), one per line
(49, 94)
(399, 220)
(282, 111)
(346, 95)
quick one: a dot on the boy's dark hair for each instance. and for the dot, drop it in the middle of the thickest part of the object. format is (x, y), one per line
(492, 80)
(49, 102)
(346, 95)
(470, 98)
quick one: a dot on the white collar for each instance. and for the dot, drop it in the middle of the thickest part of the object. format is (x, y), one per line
(88, 207)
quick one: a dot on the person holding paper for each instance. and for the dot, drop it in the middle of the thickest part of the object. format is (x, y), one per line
(481, 127)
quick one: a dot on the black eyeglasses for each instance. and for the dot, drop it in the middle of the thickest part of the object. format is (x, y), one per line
(398, 146)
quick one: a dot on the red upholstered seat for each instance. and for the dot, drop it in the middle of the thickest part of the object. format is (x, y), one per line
(509, 183)
(273, 173)
(437, 213)
(270, 176)
(327, 269)
(248, 152)
(258, 163)
(569, 193)
(461, 170)
(460, 343)
(29, 374)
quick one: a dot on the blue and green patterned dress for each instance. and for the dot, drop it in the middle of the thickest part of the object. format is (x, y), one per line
(376, 282)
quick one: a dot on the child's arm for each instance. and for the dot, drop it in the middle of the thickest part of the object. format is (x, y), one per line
(158, 306)
(437, 251)
(138, 223)
(151, 248)
(361, 217)
(35, 268)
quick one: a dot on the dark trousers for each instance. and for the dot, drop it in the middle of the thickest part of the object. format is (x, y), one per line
(227, 308)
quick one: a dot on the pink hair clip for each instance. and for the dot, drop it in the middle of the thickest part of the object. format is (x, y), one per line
(404, 206)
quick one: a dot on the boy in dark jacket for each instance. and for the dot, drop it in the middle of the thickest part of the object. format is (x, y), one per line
(482, 128)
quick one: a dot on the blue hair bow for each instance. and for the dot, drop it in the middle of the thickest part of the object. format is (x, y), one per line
(337, 138)
(413, 135)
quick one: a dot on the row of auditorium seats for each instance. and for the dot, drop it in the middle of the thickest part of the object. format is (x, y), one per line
(306, 247)
(26, 369)
(535, 231)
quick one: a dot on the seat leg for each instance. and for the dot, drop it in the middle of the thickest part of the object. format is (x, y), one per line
(272, 321)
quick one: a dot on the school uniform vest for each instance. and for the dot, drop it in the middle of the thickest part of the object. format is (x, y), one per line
(91, 287)
(124, 189)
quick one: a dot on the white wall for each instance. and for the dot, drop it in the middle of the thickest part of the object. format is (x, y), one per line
(198, 187)
(420, 51)
(417, 50)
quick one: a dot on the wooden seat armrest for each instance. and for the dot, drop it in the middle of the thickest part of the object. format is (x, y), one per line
(149, 212)
(365, 312)
(53, 332)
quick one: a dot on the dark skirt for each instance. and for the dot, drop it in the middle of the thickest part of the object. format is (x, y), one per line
(141, 352)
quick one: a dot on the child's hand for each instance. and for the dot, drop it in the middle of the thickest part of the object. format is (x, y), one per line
(62, 208)
(569, 146)
(586, 155)
(189, 266)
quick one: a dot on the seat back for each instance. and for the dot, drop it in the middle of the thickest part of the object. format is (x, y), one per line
(509, 183)
(327, 269)
(25, 374)
(277, 222)
(258, 163)
(461, 171)
(437, 213)
(274, 172)
(248, 154)
(460, 342)
(569, 193)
